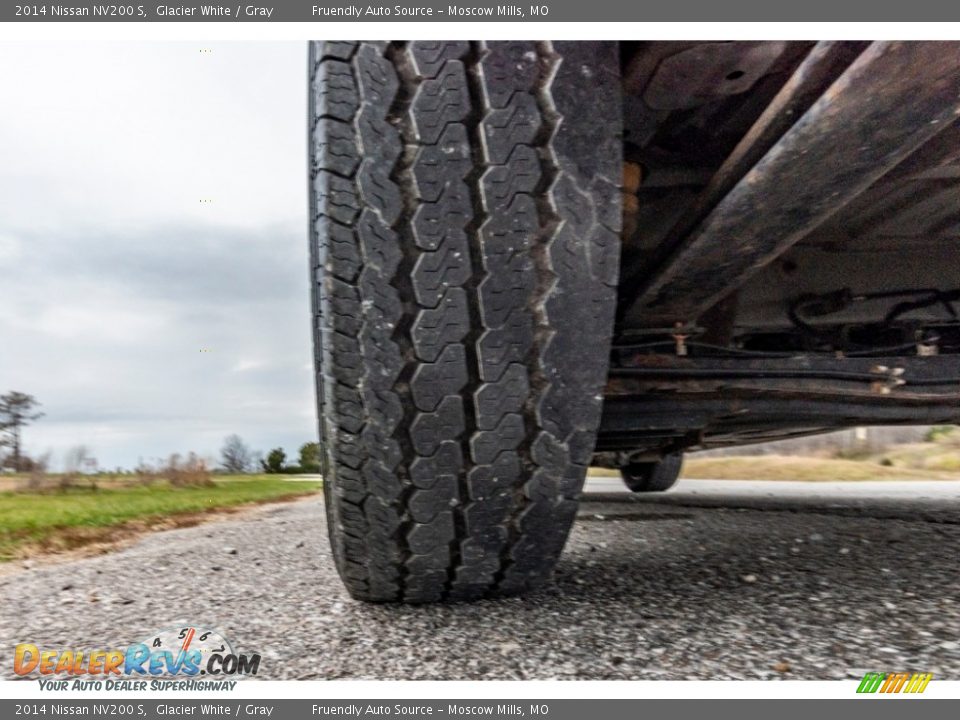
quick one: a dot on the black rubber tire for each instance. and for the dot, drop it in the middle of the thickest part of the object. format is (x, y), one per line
(465, 215)
(653, 476)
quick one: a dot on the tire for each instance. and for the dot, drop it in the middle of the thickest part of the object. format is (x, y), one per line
(653, 476)
(465, 215)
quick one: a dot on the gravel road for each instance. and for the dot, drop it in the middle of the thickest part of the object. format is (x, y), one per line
(704, 582)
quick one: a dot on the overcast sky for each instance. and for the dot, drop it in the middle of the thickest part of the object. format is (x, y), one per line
(114, 275)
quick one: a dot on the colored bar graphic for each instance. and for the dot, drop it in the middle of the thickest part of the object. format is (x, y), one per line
(894, 682)
(870, 683)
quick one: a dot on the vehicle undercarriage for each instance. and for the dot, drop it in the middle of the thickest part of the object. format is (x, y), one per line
(789, 262)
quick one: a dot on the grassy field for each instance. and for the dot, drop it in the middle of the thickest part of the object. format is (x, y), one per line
(904, 463)
(809, 469)
(99, 512)
(55, 521)
(937, 458)
(943, 456)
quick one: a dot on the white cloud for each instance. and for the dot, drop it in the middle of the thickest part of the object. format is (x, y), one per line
(245, 364)
(116, 275)
(100, 322)
(9, 250)
(116, 134)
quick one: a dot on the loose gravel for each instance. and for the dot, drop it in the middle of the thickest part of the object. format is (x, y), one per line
(645, 590)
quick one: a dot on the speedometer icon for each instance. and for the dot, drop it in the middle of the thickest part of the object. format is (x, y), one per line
(179, 641)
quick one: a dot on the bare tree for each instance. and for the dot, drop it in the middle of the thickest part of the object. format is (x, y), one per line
(41, 463)
(235, 455)
(17, 410)
(77, 459)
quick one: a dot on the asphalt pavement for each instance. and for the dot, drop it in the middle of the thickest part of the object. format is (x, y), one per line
(712, 580)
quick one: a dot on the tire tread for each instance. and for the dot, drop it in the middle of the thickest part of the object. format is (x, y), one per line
(464, 260)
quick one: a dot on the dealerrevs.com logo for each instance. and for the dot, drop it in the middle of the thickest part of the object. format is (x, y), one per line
(172, 659)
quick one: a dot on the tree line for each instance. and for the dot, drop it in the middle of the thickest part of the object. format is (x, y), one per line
(18, 410)
(237, 457)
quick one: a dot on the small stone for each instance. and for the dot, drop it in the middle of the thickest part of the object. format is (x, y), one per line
(216, 568)
(844, 551)
(749, 578)
(231, 551)
(782, 667)
(508, 647)
(66, 587)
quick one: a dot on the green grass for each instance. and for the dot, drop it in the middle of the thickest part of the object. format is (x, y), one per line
(62, 520)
